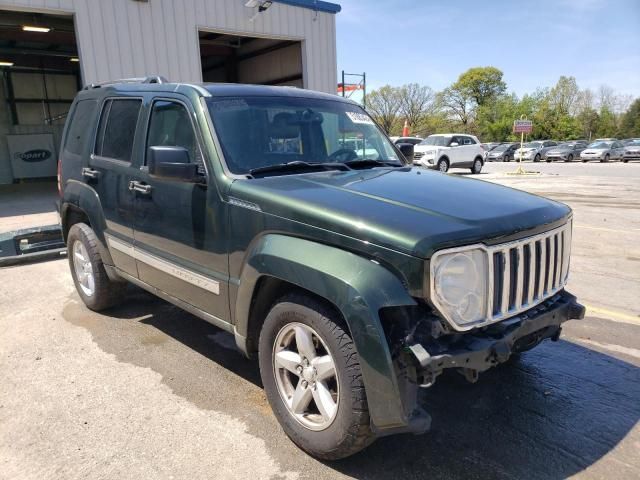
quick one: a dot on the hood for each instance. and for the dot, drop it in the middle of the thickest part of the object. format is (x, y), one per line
(411, 210)
(595, 150)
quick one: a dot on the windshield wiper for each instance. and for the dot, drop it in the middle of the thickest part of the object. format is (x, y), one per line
(370, 162)
(298, 166)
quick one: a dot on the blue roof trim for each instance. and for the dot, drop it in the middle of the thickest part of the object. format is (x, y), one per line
(318, 5)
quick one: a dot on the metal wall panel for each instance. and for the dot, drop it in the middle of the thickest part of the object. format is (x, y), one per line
(125, 38)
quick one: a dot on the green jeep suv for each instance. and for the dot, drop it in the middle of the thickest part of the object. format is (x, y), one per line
(287, 218)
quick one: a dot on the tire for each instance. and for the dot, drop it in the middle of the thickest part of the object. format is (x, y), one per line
(477, 166)
(536, 158)
(605, 159)
(347, 430)
(569, 158)
(548, 160)
(584, 160)
(624, 160)
(506, 158)
(96, 290)
(443, 165)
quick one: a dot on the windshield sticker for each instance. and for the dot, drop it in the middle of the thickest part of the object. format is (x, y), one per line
(356, 117)
(229, 104)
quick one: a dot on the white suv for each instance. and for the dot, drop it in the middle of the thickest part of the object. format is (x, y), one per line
(450, 150)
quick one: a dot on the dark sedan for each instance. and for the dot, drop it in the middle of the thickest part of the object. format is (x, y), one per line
(504, 152)
(566, 152)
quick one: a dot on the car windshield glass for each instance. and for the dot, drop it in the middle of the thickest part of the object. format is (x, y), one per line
(634, 143)
(600, 145)
(532, 145)
(501, 148)
(435, 140)
(258, 132)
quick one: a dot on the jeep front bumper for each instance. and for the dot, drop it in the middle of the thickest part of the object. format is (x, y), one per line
(475, 352)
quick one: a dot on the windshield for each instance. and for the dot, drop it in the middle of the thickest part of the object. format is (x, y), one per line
(436, 140)
(600, 145)
(532, 145)
(501, 148)
(258, 132)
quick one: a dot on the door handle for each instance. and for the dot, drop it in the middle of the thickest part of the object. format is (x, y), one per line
(90, 173)
(142, 188)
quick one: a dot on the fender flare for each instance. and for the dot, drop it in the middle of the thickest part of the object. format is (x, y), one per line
(80, 196)
(356, 286)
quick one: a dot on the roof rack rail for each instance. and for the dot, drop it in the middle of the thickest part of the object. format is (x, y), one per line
(150, 79)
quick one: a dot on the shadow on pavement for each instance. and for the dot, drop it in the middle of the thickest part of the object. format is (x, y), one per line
(550, 414)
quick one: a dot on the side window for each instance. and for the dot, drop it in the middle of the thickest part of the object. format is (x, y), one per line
(117, 128)
(80, 126)
(468, 141)
(170, 126)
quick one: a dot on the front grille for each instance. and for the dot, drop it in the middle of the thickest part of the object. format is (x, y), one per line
(418, 155)
(526, 272)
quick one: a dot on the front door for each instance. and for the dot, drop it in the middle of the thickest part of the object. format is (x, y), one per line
(111, 167)
(180, 238)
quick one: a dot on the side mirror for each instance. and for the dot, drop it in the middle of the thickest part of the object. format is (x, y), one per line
(407, 150)
(454, 144)
(171, 163)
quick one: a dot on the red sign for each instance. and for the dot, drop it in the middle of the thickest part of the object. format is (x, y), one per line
(522, 126)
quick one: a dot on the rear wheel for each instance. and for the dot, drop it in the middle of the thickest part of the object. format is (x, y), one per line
(443, 165)
(311, 375)
(94, 286)
(477, 166)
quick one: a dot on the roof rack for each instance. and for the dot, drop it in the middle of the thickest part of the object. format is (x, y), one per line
(150, 79)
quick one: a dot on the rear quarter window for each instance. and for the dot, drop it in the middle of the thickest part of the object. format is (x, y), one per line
(79, 129)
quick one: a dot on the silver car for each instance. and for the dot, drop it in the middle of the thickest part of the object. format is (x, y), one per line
(603, 151)
(534, 150)
(631, 151)
(565, 151)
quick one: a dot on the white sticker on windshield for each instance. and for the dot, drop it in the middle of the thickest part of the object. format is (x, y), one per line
(356, 117)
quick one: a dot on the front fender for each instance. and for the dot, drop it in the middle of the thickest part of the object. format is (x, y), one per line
(358, 287)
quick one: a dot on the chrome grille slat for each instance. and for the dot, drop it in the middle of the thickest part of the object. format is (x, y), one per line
(506, 281)
(543, 268)
(519, 276)
(552, 252)
(532, 273)
(558, 239)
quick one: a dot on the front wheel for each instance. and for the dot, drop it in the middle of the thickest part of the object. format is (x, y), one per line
(537, 158)
(569, 158)
(312, 378)
(443, 165)
(477, 166)
(605, 159)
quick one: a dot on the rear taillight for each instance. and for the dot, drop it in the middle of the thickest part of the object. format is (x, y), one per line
(59, 177)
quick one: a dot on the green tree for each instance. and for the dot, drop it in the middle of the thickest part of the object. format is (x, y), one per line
(482, 84)
(630, 122)
(415, 102)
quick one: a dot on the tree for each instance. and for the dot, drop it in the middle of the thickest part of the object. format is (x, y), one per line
(482, 84)
(630, 122)
(564, 95)
(458, 103)
(415, 101)
(384, 105)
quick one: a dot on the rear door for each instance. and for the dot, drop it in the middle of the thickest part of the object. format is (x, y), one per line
(110, 170)
(455, 152)
(180, 227)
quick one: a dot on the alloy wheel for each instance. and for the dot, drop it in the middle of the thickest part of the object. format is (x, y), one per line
(83, 269)
(306, 376)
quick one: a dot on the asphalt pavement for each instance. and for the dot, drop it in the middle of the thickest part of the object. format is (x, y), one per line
(149, 391)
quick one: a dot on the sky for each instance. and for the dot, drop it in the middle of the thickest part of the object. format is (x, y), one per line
(431, 42)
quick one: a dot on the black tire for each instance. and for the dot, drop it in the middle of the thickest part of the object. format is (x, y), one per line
(536, 158)
(548, 160)
(584, 160)
(350, 430)
(569, 158)
(605, 159)
(107, 293)
(624, 160)
(477, 166)
(443, 165)
(506, 158)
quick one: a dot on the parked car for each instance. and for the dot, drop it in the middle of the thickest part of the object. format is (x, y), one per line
(603, 150)
(631, 151)
(630, 141)
(502, 153)
(534, 150)
(411, 140)
(450, 150)
(566, 152)
(353, 281)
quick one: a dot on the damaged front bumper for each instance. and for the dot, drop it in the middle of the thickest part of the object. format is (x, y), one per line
(477, 351)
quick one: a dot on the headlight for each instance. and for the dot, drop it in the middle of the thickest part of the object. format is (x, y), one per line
(459, 285)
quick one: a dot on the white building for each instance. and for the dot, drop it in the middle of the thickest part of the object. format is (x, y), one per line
(51, 48)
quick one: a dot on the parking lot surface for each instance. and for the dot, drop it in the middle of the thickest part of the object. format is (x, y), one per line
(149, 391)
